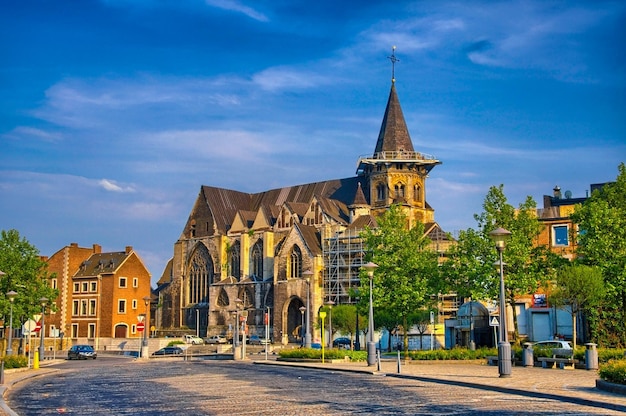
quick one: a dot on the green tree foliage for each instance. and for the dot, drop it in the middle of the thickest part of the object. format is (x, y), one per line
(471, 272)
(579, 287)
(26, 274)
(602, 242)
(344, 320)
(406, 269)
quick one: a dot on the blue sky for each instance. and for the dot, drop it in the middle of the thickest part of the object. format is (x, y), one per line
(115, 112)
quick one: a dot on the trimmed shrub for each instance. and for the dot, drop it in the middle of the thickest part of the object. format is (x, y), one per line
(329, 354)
(613, 371)
(15, 361)
(173, 343)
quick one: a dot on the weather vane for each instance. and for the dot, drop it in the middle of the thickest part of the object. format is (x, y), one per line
(393, 60)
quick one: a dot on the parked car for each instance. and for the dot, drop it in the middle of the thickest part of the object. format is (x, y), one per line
(552, 343)
(215, 339)
(316, 346)
(341, 342)
(192, 339)
(255, 340)
(169, 351)
(81, 352)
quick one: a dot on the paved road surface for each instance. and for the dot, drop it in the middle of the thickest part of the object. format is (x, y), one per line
(167, 387)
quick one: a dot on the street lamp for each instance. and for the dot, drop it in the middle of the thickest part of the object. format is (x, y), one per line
(307, 336)
(236, 353)
(499, 237)
(371, 346)
(330, 305)
(42, 347)
(11, 295)
(146, 328)
(302, 309)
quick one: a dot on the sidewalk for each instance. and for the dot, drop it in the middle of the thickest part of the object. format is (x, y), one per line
(12, 376)
(574, 386)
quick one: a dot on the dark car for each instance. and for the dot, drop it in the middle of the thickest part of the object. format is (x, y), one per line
(81, 352)
(341, 343)
(169, 351)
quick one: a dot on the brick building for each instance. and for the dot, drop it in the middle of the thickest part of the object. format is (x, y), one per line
(101, 295)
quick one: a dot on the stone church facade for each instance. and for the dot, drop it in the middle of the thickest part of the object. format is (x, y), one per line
(265, 254)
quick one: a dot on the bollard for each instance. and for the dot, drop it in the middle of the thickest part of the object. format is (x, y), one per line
(399, 363)
(527, 355)
(36, 360)
(378, 358)
(2, 373)
(591, 356)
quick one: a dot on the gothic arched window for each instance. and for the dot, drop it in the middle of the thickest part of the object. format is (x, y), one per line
(200, 275)
(399, 188)
(234, 260)
(257, 259)
(380, 192)
(294, 266)
(417, 193)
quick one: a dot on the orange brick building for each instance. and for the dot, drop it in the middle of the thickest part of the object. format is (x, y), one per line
(101, 295)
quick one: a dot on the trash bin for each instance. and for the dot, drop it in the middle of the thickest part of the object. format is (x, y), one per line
(527, 355)
(591, 356)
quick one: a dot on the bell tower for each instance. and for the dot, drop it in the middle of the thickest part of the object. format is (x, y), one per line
(396, 172)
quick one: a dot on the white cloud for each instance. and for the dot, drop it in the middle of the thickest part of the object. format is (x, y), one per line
(112, 186)
(236, 6)
(280, 78)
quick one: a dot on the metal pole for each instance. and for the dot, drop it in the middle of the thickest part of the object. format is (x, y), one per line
(267, 332)
(307, 338)
(42, 347)
(371, 346)
(11, 296)
(504, 348)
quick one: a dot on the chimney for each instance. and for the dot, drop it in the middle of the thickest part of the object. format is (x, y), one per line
(73, 245)
(557, 192)
(97, 249)
(129, 249)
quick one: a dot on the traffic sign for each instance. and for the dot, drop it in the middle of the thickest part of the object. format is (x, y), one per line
(28, 327)
(37, 326)
(494, 321)
(140, 326)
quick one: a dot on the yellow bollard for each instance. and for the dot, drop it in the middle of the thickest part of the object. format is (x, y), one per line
(36, 360)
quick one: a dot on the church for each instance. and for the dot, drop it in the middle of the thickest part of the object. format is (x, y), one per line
(271, 256)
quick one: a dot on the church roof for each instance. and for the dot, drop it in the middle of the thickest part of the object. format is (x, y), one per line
(359, 197)
(394, 134)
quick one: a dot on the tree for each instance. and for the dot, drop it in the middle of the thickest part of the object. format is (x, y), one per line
(580, 288)
(471, 271)
(26, 274)
(406, 266)
(344, 320)
(602, 242)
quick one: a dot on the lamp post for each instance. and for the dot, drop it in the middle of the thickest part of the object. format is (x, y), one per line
(11, 295)
(302, 309)
(307, 336)
(146, 328)
(42, 347)
(330, 305)
(322, 317)
(499, 236)
(371, 345)
(236, 352)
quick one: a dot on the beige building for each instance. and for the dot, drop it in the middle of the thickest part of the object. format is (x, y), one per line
(284, 249)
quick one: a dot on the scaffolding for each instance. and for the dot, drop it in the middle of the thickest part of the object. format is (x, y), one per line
(343, 257)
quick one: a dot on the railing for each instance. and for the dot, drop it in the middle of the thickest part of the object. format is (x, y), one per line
(398, 155)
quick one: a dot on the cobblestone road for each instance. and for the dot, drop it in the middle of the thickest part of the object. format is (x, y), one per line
(160, 387)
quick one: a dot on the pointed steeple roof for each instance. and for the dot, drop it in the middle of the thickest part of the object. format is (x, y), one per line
(359, 196)
(394, 135)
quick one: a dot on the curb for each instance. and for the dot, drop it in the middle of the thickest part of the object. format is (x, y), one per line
(508, 390)
(611, 387)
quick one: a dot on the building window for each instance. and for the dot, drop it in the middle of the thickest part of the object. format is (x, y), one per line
(380, 192)
(121, 306)
(91, 331)
(76, 287)
(560, 235)
(94, 287)
(53, 283)
(294, 268)
(92, 307)
(399, 188)
(235, 260)
(135, 282)
(75, 308)
(74, 330)
(133, 329)
(122, 282)
(134, 303)
(417, 193)
(84, 287)
(200, 275)
(257, 259)
(83, 307)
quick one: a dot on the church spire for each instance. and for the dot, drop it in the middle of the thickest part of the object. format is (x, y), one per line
(394, 134)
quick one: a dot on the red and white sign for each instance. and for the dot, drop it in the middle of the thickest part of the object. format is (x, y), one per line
(140, 326)
(37, 326)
